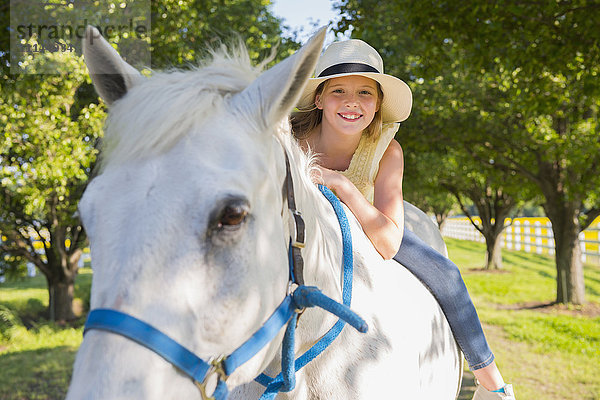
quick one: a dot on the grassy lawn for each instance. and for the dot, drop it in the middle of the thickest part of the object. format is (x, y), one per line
(36, 357)
(548, 352)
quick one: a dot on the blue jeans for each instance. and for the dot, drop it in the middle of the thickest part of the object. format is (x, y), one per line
(442, 277)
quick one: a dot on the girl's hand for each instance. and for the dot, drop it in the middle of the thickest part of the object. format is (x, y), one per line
(330, 178)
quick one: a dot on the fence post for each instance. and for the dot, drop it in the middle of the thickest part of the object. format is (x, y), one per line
(527, 236)
(598, 242)
(582, 245)
(538, 237)
(550, 237)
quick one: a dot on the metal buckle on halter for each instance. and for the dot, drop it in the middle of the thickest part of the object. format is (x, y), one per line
(217, 367)
(292, 286)
(298, 229)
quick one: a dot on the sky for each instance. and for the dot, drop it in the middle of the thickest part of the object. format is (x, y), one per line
(302, 14)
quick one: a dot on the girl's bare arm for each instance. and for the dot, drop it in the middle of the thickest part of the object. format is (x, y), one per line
(382, 221)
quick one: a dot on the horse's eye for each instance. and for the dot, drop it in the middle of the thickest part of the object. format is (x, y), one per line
(228, 218)
(233, 214)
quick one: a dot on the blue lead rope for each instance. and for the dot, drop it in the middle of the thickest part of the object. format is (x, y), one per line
(308, 297)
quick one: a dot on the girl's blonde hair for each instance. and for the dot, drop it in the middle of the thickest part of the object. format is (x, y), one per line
(304, 121)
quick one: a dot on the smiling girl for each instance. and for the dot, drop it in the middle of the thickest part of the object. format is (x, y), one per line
(348, 116)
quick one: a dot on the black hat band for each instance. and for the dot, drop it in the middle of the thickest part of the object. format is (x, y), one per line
(347, 68)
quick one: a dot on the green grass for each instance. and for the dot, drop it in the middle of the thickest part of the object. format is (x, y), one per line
(535, 280)
(548, 353)
(28, 297)
(36, 356)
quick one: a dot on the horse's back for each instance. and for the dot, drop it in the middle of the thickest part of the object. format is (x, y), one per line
(409, 337)
(409, 351)
(424, 227)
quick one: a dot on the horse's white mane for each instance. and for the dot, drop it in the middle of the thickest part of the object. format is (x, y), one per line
(306, 163)
(161, 110)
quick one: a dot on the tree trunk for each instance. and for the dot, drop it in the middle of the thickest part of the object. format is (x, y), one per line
(441, 220)
(564, 211)
(60, 272)
(493, 255)
(441, 216)
(570, 287)
(61, 300)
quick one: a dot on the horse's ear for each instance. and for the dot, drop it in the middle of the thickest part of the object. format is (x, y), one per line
(111, 75)
(276, 91)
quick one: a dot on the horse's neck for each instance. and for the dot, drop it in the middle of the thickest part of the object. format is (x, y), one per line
(323, 250)
(322, 264)
(323, 244)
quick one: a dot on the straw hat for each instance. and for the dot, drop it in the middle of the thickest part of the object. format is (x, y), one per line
(355, 57)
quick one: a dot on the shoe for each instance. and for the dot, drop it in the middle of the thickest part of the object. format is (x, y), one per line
(483, 394)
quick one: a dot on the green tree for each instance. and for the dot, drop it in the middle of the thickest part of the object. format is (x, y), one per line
(494, 201)
(451, 104)
(421, 188)
(46, 155)
(545, 61)
(449, 177)
(183, 30)
(51, 125)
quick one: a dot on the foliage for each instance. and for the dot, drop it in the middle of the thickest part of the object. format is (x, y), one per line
(518, 86)
(421, 188)
(8, 322)
(47, 151)
(52, 127)
(182, 31)
(12, 267)
(557, 37)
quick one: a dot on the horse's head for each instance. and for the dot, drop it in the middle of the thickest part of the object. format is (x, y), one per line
(185, 218)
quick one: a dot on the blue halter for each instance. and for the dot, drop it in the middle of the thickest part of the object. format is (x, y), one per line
(286, 313)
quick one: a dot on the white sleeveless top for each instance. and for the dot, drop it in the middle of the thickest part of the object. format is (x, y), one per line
(364, 164)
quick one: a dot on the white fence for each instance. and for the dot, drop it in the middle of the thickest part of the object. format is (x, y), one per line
(533, 235)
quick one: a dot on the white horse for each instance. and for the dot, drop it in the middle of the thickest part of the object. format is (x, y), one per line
(189, 232)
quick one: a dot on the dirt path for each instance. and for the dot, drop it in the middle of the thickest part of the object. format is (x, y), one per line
(468, 386)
